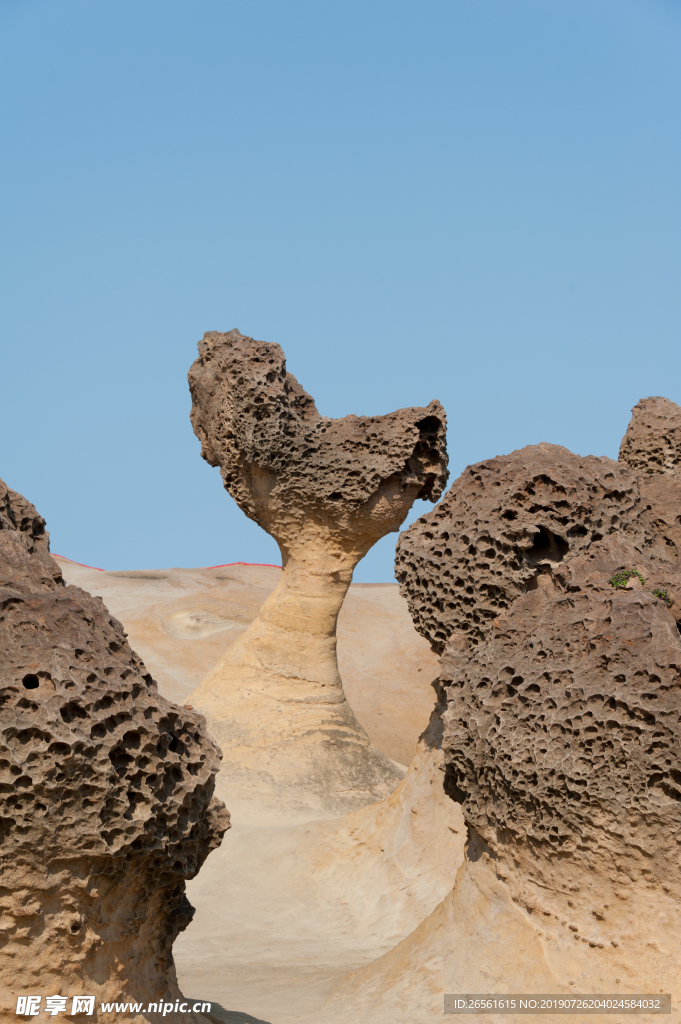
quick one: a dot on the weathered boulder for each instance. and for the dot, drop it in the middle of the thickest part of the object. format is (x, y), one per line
(326, 490)
(652, 448)
(563, 745)
(542, 577)
(106, 793)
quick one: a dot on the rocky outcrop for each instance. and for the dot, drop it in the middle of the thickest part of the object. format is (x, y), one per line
(502, 524)
(23, 532)
(652, 448)
(542, 578)
(562, 744)
(106, 792)
(326, 490)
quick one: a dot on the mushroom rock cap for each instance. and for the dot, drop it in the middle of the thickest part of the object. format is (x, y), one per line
(652, 448)
(283, 463)
(106, 801)
(462, 564)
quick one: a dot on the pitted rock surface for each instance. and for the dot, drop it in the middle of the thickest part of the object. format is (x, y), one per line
(27, 532)
(652, 443)
(106, 790)
(652, 447)
(281, 461)
(563, 730)
(465, 562)
(563, 722)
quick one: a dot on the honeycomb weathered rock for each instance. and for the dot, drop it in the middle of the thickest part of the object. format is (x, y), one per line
(562, 736)
(462, 564)
(652, 447)
(652, 443)
(106, 791)
(562, 730)
(286, 466)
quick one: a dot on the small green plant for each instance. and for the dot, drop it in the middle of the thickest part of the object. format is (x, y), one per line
(622, 577)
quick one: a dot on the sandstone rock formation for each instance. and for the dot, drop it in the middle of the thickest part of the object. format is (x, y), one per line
(106, 804)
(562, 738)
(326, 490)
(652, 447)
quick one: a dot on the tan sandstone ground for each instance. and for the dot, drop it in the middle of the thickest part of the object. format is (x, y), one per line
(283, 913)
(181, 621)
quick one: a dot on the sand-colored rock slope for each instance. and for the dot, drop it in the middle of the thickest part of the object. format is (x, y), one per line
(181, 622)
(106, 793)
(326, 490)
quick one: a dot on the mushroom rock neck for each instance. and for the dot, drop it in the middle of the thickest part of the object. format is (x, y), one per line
(292, 746)
(294, 635)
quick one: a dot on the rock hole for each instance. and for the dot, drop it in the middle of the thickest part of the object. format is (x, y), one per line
(547, 545)
(71, 711)
(31, 682)
(59, 749)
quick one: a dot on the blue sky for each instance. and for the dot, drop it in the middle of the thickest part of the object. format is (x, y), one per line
(470, 200)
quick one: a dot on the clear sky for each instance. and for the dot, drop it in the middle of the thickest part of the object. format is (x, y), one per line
(470, 200)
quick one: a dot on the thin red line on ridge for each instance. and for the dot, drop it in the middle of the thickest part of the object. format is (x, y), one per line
(84, 566)
(224, 565)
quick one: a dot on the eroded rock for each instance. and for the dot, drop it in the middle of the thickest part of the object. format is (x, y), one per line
(300, 475)
(562, 736)
(326, 490)
(504, 522)
(652, 447)
(563, 745)
(106, 792)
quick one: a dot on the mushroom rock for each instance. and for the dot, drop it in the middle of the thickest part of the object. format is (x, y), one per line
(652, 448)
(561, 738)
(326, 490)
(106, 793)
